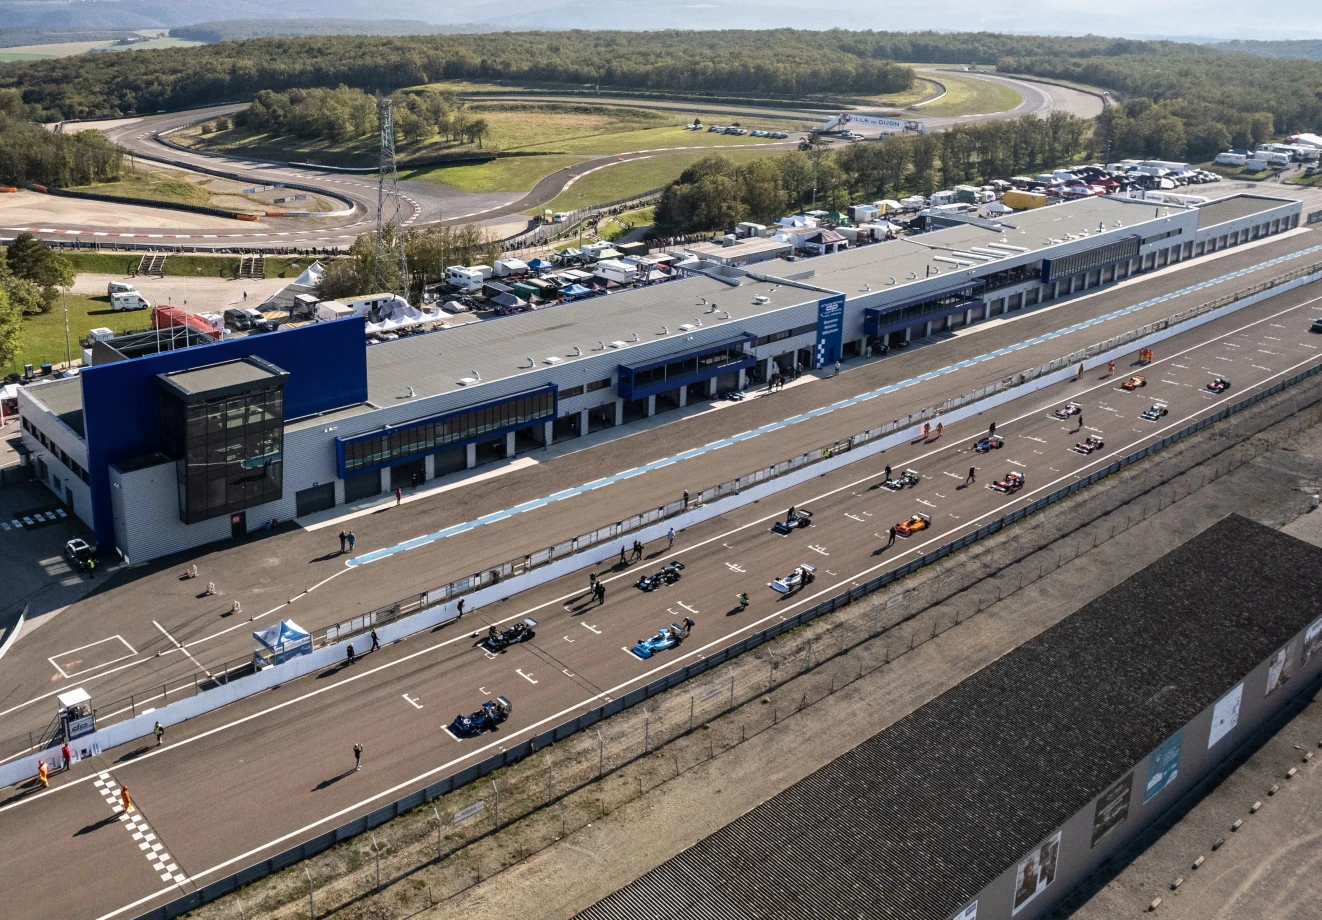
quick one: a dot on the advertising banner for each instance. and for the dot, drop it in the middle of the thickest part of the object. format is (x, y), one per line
(830, 330)
(1312, 639)
(1280, 670)
(968, 913)
(1163, 766)
(1112, 809)
(1036, 872)
(1225, 715)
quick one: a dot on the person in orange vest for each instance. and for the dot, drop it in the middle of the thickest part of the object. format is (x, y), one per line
(125, 798)
(1110, 367)
(939, 428)
(43, 773)
(927, 430)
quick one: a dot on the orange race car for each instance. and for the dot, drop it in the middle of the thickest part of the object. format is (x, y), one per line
(1133, 383)
(914, 524)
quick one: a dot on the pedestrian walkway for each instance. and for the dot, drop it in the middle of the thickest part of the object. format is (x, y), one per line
(425, 539)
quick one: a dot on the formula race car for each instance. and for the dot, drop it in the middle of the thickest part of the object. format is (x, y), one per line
(1013, 482)
(667, 637)
(793, 520)
(667, 576)
(1088, 445)
(499, 641)
(991, 442)
(911, 526)
(1219, 385)
(1133, 383)
(907, 478)
(491, 714)
(1069, 410)
(802, 575)
(1154, 412)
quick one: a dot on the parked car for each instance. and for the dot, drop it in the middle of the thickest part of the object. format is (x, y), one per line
(79, 554)
(237, 319)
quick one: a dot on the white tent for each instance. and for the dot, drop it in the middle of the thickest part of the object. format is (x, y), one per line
(997, 208)
(280, 642)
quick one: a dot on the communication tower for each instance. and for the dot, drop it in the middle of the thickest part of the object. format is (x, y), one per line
(389, 209)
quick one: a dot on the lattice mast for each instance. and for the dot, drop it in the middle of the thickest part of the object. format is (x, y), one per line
(389, 210)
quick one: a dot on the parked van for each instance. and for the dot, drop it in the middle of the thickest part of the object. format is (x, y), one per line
(129, 300)
(120, 287)
(238, 320)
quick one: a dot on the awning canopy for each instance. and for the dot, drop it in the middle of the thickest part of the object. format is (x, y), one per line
(281, 636)
(575, 290)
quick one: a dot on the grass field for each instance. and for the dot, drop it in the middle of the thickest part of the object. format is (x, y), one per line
(637, 176)
(43, 334)
(179, 266)
(614, 228)
(508, 174)
(558, 128)
(68, 49)
(157, 186)
(922, 90)
(969, 96)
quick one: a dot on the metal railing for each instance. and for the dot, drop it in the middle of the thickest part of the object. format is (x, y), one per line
(361, 624)
(542, 235)
(715, 700)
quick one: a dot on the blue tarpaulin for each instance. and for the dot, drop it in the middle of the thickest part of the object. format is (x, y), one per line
(282, 641)
(575, 290)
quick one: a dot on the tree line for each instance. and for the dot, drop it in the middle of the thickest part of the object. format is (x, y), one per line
(429, 250)
(781, 62)
(30, 153)
(346, 113)
(715, 193)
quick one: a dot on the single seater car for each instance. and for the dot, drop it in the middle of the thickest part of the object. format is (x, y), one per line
(1219, 385)
(1013, 482)
(485, 718)
(669, 574)
(802, 575)
(907, 478)
(991, 442)
(910, 526)
(1088, 445)
(666, 637)
(793, 521)
(498, 641)
(1069, 410)
(1153, 412)
(79, 553)
(1133, 383)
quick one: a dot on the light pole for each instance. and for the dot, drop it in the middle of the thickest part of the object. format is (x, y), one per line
(68, 351)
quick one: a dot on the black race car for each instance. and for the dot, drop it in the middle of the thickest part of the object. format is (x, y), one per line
(499, 641)
(907, 478)
(1154, 412)
(793, 521)
(487, 718)
(668, 575)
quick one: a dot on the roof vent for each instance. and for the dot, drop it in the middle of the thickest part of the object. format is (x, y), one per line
(633, 337)
(530, 361)
(577, 351)
(665, 330)
(725, 314)
(891, 280)
(554, 360)
(687, 327)
(601, 346)
(618, 344)
(468, 381)
(761, 298)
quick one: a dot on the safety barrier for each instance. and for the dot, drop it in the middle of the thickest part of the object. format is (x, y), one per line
(389, 812)
(146, 202)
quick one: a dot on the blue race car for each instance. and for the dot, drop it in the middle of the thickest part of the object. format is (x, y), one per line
(992, 442)
(492, 713)
(667, 637)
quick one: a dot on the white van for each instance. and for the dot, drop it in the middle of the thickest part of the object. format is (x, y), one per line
(120, 287)
(129, 300)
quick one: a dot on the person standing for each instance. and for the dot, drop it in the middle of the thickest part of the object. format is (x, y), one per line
(624, 560)
(343, 537)
(1110, 368)
(592, 583)
(357, 757)
(686, 499)
(1080, 427)
(43, 773)
(789, 515)
(991, 432)
(939, 428)
(125, 799)
(891, 540)
(352, 541)
(66, 754)
(600, 592)
(972, 476)
(399, 495)
(159, 732)
(376, 643)
(837, 368)
(887, 474)
(670, 537)
(351, 655)
(927, 430)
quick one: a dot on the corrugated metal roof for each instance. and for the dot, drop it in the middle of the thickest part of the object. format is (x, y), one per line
(916, 821)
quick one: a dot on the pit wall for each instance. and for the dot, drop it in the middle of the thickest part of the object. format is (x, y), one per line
(181, 711)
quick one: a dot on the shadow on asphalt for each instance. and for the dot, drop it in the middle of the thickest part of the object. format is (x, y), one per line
(93, 828)
(327, 783)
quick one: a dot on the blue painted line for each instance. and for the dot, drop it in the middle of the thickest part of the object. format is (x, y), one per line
(496, 516)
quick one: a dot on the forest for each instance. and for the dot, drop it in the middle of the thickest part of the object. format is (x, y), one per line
(715, 193)
(229, 30)
(29, 153)
(344, 113)
(782, 62)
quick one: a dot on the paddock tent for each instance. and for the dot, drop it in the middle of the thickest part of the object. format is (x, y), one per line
(281, 642)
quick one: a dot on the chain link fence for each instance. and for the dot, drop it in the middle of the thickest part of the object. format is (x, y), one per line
(575, 773)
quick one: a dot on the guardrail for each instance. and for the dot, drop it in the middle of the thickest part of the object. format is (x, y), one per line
(146, 202)
(543, 234)
(353, 627)
(365, 823)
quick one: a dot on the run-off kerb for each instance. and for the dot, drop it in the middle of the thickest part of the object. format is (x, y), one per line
(427, 610)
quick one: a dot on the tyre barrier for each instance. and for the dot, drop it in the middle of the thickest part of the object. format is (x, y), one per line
(7, 190)
(252, 217)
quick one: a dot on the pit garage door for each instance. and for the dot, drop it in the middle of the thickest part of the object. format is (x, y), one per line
(317, 498)
(364, 485)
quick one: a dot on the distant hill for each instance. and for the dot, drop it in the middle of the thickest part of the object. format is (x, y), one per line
(1310, 49)
(17, 38)
(228, 30)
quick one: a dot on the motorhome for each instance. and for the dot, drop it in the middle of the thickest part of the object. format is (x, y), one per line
(129, 300)
(464, 278)
(120, 287)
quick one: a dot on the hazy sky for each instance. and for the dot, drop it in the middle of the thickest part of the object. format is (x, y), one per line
(1174, 18)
